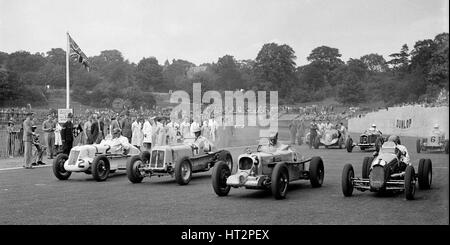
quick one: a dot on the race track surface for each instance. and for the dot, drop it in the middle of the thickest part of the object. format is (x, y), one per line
(37, 197)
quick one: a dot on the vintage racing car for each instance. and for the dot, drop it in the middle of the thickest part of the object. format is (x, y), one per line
(366, 141)
(269, 170)
(179, 160)
(432, 143)
(329, 138)
(92, 159)
(384, 172)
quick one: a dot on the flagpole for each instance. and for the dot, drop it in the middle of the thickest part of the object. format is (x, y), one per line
(67, 73)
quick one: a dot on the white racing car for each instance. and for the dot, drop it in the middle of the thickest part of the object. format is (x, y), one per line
(95, 159)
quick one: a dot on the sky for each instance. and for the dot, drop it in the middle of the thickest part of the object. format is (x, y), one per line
(201, 31)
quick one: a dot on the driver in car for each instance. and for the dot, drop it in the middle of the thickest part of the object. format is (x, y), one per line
(201, 143)
(404, 156)
(118, 143)
(274, 145)
(373, 130)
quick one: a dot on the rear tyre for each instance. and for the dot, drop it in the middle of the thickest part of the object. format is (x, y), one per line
(418, 146)
(183, 171)
(58, 167)
(410, 184)
(346, 181)
(446, 147)
(316, 172)
(133, 173)
(280, 181)
(220, 174)
(366, 167)
(349, 144)
(425, 174)
(100, 168)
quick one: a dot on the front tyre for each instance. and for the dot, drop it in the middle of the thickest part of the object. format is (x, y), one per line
(366, 167)
(349, 144)
(280, 181)
(316, 172)
(220, 174)
(100, 168)
(425, 174)
(346, 181)
(225, 156)
(133, 172)
(183, 171)
(410, 183)
(58, 167)
(418, 146)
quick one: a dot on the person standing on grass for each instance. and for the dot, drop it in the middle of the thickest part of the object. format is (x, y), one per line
(48, 126)
(67, 134)
(28, 140)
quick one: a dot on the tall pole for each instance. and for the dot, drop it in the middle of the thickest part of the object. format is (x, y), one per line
(67, 73)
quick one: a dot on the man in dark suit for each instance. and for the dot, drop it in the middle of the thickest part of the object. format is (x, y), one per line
(67, 134)
(126, 126)
(96, 130)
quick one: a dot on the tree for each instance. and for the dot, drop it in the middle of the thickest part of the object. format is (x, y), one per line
(400, 61)
(22, 61)
(375, 62)
(56, 56)
(326, 59)
(438, 63)
(149, 75)
(174, 73)
(351, 91)
(227, 70)
(275, 68)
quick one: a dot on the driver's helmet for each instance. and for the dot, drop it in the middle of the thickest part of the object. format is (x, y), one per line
(374, 126)
(273, 138)
(395, 139)
(436, 126)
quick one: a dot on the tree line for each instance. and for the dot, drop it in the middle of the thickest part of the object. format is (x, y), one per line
(412, 75)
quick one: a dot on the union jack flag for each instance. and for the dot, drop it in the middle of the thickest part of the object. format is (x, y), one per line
(77, 54)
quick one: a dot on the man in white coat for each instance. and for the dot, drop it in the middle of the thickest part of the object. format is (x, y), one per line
(147, 130)
(194, 125)
(185, 128)
(136, 133)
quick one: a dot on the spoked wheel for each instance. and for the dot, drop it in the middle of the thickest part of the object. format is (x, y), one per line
(58, 167)
(226, 157)
(100, 168)
(366, 167)
(133, 171)
(425, 174)
(280, 181)
(316, 172)
(410, 183)
(183, 171)
(220, 174)
(347, 183)
(349, 144)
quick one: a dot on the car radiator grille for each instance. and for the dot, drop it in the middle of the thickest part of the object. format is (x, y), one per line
(363, 139)
(377, 177)
(73, 157)
(157, 159)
